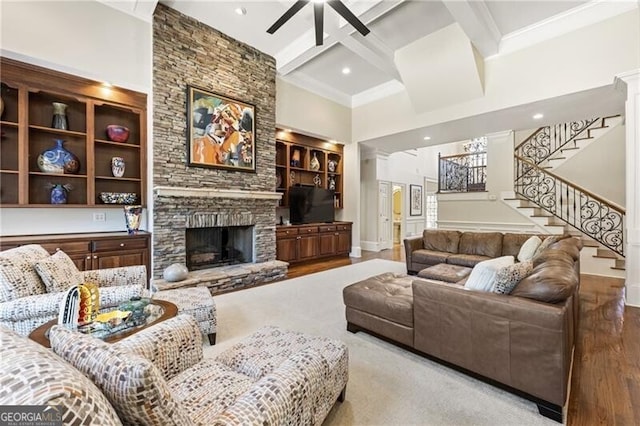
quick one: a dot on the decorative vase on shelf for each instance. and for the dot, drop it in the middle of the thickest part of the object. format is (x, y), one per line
(59, 120)
(58, 160)
(332, 165)
(132, 216)
(117, 166)
(315, 163)
(332, 183)
(59, 193)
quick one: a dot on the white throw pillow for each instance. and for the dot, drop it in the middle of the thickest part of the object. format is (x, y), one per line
(482, 278)
(529, 248)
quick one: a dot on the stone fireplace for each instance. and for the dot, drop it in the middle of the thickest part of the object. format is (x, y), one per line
(187, 52)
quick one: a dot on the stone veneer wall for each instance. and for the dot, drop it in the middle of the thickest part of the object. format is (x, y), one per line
(187, 52)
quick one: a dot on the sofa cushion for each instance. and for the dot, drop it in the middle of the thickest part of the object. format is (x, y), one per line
(387, 295)
(33, 375)
(468, 260)
(429, 257)
(512, 243)
(552, 281)
(481, 243)
(446, 241)
(482, 278)
(18, 278)
(58, 272)
(510, 276)
(571, 246)
(208, 388)
(132, 384)
(529, 248)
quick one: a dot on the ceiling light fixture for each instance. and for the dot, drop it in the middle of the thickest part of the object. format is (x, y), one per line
(346, 70)
(318, 14)
(538, 116)
(241, 11)
(427, 138)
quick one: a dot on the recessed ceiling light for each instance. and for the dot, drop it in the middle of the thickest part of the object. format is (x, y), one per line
(346, 70)
(241, 11)
(427, 138)
(538, 116)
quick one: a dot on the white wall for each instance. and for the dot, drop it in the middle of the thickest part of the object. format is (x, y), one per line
(600, 167)
(90, 40)
(301, 110)
(562, 65)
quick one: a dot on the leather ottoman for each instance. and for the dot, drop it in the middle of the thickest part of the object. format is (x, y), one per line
(383, 303)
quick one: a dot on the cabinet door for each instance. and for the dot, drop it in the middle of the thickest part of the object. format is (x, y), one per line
(328, 244)
(117, 259)
(286, 249)
(344, 242)
(82, 261)
(307, 246)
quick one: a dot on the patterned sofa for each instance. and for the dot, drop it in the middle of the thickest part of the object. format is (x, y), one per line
(26, 303)
(158, 377)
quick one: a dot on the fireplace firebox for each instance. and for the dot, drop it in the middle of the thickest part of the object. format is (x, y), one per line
(211, 247)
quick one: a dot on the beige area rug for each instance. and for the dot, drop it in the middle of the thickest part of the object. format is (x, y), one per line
(387, 385)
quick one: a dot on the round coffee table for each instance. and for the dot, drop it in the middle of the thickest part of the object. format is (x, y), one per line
(166, 310)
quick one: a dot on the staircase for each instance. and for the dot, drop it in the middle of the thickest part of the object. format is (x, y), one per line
(557, 206)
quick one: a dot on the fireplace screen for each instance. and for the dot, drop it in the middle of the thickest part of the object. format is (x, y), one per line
(218, 246)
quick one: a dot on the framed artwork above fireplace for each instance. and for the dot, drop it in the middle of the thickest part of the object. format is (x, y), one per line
(220, 131)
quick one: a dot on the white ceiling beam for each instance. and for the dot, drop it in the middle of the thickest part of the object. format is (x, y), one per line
(476, 21)
(362, 47)
(300, 53)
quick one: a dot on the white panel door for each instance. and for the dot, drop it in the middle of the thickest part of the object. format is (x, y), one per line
(385, 230)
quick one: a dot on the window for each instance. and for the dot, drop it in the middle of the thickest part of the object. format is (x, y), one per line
(432, 211)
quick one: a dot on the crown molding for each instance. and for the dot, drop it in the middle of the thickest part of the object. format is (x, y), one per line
(563, 23)
(381, 91)
(314, 86)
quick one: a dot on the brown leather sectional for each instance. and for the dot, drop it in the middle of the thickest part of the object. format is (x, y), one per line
(522, 342)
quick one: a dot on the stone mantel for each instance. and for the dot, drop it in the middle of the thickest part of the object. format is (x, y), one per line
(177, 191)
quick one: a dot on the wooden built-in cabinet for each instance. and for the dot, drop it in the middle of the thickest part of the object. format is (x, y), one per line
(297, 243)
(95, 250)
(28, 93)
(295, 156)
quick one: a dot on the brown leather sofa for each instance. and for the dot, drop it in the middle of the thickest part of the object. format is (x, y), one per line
(522, 342)
(459, 248)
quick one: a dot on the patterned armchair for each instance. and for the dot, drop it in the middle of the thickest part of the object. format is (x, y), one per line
(26, 302)
(273, 377)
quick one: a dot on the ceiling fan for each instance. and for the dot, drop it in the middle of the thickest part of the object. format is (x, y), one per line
(318, 14)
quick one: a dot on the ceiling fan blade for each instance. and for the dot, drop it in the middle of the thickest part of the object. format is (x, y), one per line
(287, 15)
(343, 11)
(318, 15)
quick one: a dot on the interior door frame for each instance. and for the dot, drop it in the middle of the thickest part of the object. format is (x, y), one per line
(403, 219)
(388, 243)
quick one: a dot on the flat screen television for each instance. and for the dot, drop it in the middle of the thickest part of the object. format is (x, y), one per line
(310, 204)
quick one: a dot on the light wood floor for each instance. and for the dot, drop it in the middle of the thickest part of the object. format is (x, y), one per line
(605, 385)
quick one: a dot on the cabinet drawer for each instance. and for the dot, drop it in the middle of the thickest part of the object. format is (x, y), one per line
(327, 228)
(309, 230)
(343, 227)
(67, 247)
(283, 233)
(120, 244)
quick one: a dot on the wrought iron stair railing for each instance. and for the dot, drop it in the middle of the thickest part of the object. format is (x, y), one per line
(463, 172)
(592, 215)
(547, 141)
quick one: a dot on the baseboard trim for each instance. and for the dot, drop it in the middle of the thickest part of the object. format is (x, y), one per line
(370, 245)
(356, 251)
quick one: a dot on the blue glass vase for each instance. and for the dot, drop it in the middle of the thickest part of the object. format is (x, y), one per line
(58, 160)
(58, 194)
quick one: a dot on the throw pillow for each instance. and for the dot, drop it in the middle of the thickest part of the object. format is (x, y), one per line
(510, 276)
(529, 248)
(58, 272)
(133, 385)
(18, 278)
(482, 277)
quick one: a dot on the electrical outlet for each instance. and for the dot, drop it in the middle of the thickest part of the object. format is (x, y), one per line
(99, 217)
